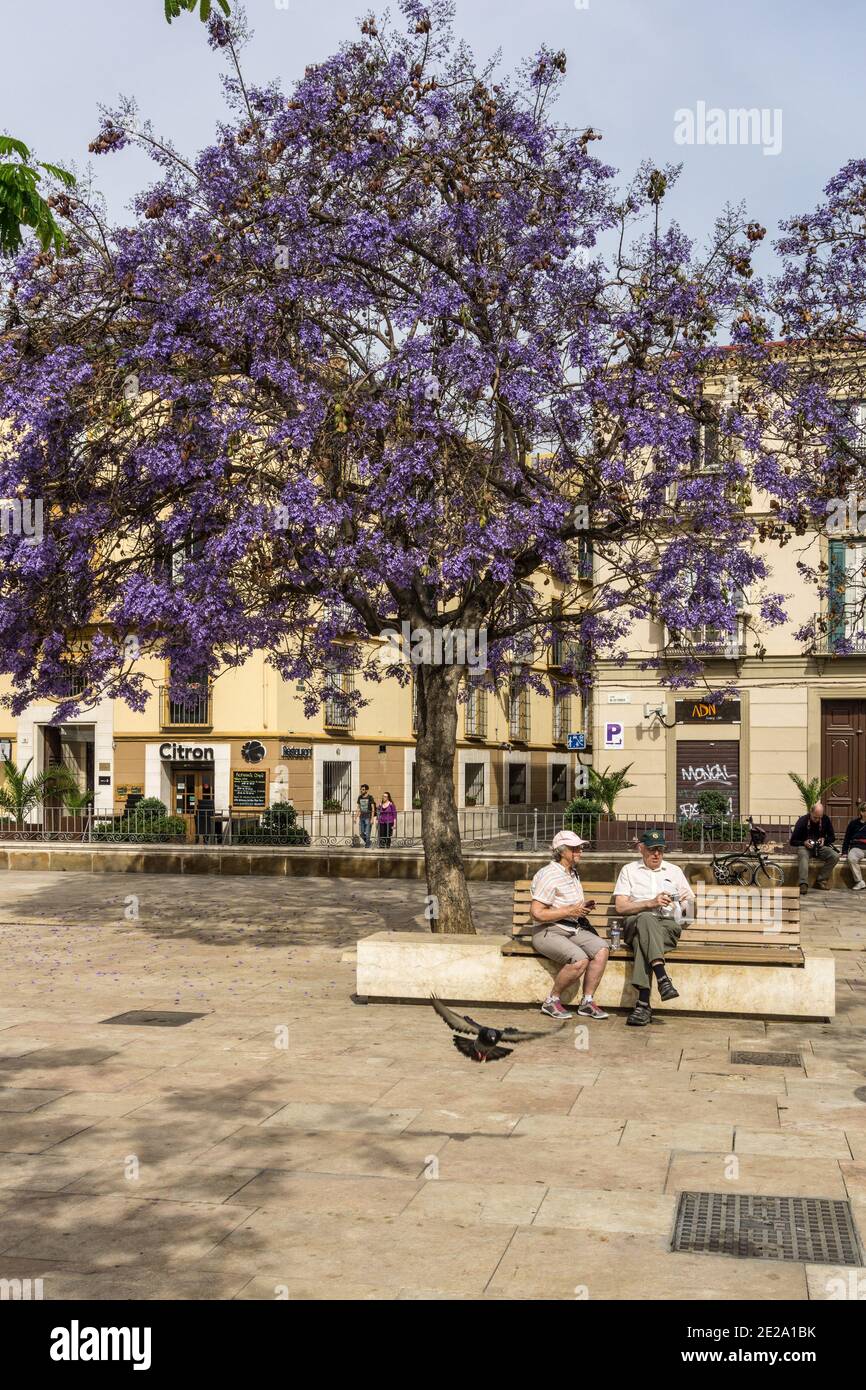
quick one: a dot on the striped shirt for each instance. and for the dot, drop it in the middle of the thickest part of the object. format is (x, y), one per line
(556, 887)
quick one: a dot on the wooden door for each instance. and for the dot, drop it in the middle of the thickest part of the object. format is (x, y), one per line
(843, 754)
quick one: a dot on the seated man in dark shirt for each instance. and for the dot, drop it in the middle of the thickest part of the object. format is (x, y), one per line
(854, 845)
(814, 836)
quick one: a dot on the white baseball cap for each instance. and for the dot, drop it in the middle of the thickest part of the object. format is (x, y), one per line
(566, 839)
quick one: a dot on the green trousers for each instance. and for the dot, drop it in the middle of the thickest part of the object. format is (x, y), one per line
(652, 936)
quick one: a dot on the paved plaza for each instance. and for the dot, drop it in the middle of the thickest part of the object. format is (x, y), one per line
(292, 1144)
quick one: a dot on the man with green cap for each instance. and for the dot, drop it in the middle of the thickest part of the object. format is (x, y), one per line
(656, 898)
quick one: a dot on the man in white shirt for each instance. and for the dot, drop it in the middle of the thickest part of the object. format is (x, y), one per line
(556, 907)
(656, 898)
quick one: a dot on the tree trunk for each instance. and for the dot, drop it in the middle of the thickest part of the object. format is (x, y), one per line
(449, 909)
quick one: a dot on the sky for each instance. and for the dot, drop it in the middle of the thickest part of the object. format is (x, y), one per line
(633, 65)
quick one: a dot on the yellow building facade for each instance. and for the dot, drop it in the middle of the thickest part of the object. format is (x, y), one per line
(247, 744)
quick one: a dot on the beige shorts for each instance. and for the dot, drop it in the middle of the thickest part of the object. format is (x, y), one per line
(568, 950)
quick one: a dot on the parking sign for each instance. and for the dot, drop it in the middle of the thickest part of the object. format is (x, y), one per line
(614, 735)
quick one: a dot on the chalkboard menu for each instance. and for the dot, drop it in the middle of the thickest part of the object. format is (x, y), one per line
(249, 788)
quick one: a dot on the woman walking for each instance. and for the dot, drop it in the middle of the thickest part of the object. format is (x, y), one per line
(387, 818)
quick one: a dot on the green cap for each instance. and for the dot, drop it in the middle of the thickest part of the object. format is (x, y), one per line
(653, 839)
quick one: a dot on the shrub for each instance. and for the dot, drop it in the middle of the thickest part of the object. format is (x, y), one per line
(733, 831)
(276, 826)
(581, 815)
(713, 806)
(141, 830)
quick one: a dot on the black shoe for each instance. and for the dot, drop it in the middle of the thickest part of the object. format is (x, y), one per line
(804, 888)
(667, 991)
(640, 1016)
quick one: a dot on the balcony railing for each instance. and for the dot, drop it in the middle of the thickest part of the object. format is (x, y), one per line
(194, 713)
(843, 633)
(724, 644)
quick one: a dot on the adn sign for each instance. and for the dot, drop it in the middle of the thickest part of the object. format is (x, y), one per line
(708, 711)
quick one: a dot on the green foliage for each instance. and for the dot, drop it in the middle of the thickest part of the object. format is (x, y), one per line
(21, 204)
(605, 787)
(139, 829)
(173, 8)
(147, 823)
(76, 802)
(725, 831)
(330, 804)
(276, 826)
(20, 793)
(712, 805)
(815, 789)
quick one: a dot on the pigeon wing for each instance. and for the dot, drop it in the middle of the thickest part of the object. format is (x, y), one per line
(458, 1022)
(515, 1035)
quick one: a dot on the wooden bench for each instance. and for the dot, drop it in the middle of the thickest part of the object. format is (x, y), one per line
(745, 940)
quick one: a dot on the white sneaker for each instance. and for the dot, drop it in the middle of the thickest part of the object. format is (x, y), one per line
(858, 887)
(554, 1009)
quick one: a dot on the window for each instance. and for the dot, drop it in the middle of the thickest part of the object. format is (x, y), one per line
(476, 712)
(416, 721)
(561, 713)
(473, 784)
(517, 784)
(336, 785)
(559, 782)
(847, 601)
(518, 712)
(339, 710)
(706, 638)
(180, 554)
(711, 447)
(193, 711)
(585, 558)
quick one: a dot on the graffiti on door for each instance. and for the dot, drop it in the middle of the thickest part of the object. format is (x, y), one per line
(710, 775)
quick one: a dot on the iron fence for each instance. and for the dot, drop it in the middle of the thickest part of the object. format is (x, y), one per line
(253, 828)
(535, 827)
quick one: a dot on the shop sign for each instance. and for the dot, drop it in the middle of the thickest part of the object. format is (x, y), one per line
(296, 754)
(185, 753)
(708, 711)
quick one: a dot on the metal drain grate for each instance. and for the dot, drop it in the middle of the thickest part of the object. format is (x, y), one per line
(766, 1059)
(152, 1018)
(816, 1230)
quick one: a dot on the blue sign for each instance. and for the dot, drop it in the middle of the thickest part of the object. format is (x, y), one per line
(576, 743)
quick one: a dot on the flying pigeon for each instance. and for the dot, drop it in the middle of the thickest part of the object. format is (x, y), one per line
(483, 1044)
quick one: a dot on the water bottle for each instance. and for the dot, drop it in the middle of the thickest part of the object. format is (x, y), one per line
(615, 936)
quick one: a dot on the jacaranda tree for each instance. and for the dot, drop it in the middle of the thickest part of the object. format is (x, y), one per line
(387, 351)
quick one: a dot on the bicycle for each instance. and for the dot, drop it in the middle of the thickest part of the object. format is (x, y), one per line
(749, 867)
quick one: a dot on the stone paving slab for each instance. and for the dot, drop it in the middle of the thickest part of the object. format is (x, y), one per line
(291, 1144)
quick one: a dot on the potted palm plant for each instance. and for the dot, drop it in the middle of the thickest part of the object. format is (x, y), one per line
(21, 794)
(604, 789)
